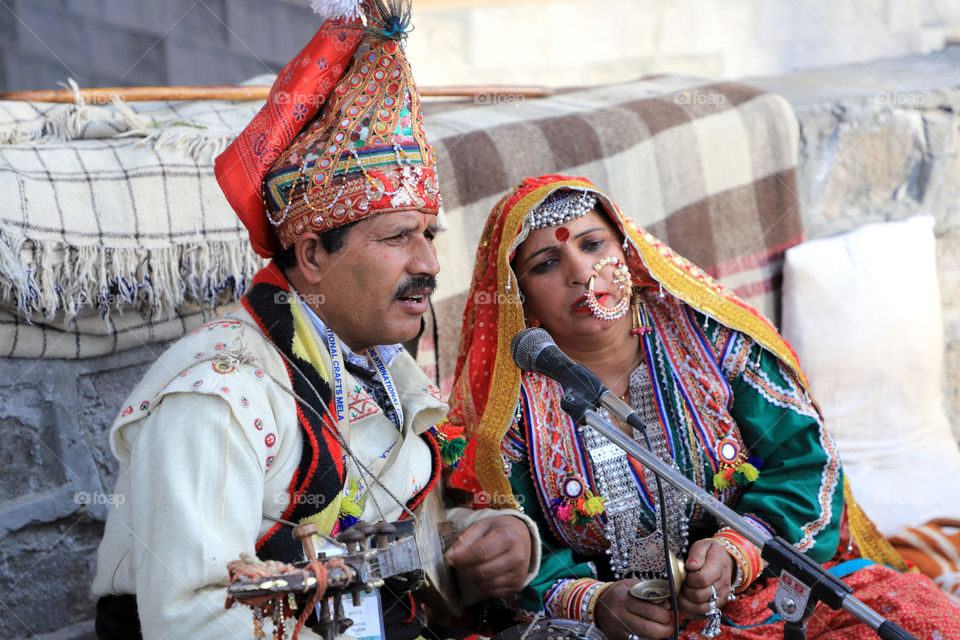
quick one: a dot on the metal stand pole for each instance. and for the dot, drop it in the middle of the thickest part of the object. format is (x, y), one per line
(804, 582)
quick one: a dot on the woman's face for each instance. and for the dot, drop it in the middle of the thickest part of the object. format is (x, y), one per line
(554, 265)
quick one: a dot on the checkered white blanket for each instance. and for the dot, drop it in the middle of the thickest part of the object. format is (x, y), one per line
(114, 233)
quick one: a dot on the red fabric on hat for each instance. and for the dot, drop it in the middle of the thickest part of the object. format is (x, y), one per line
(305, 82)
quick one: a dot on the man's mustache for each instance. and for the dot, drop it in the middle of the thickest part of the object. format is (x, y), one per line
(416, 284)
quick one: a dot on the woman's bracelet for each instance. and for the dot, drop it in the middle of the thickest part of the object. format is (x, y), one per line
(575, 599)
(745, 556)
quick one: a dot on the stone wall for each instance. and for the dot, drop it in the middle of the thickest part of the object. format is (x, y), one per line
(550, 42)
(571, 42)
(881, 141)
(56, 478)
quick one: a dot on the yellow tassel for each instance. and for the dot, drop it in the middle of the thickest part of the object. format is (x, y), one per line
(720, 482)
(350, 508)
(749, 471)
(352, 503)
(593, 506)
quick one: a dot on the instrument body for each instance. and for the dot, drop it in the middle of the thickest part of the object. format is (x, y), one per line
(408, 552)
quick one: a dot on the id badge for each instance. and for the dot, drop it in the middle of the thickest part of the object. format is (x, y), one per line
(367, 617)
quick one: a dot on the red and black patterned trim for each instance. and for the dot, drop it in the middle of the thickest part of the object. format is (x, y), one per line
(320, 472)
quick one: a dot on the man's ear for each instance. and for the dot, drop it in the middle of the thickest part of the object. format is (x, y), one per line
(312, 259)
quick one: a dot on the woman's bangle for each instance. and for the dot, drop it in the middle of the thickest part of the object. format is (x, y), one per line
(745, 555)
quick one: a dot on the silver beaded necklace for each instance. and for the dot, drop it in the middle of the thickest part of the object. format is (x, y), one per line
(632, 550)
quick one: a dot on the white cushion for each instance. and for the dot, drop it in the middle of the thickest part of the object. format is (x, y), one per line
(862, 309)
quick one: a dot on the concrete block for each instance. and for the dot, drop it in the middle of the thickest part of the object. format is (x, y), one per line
(187, 18)
(49, 34)
(29, 443)
(29, 71)
(193, 63)
(80, 631)
(8, 29)
(439, 35)
(271, 32)
(134, 57)
(512, 44)
(102, 393)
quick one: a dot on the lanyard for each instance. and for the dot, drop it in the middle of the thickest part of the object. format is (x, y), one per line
(336, 356)
(383, 374)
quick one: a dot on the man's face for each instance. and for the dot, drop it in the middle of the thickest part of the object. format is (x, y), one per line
(375, 289)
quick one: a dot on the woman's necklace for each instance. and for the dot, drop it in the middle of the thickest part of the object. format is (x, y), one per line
(632, 550)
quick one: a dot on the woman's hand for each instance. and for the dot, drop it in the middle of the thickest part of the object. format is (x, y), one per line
(619, 614)
(708, 564)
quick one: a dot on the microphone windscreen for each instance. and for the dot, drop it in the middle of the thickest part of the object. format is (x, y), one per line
(525, 346)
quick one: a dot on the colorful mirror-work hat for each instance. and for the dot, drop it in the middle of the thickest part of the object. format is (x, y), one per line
(339, 139)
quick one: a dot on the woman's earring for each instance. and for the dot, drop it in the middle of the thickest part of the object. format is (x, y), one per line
(533, 322)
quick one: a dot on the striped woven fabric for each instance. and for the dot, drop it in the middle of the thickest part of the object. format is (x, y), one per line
(115, 208)
(708, 168)
(935, 548)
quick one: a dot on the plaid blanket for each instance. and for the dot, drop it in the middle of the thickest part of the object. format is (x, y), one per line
(114, 234)
(113, 231)
(707, 167)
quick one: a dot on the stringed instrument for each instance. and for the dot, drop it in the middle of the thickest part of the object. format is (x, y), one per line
(410, 552)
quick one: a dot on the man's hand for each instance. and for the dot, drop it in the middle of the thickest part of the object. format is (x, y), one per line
(494, 554)
(707, 564)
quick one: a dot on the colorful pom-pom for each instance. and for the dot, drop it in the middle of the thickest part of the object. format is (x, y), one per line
(452, 450)
(564, 512)
(719, 481)
(749, 471)
(593, 506)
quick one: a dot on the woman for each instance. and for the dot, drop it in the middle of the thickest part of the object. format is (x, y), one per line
(724, 402)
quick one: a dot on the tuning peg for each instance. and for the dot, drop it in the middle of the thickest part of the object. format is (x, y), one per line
(351, 538)
(367, 530)
(304, 533)
(384, 530)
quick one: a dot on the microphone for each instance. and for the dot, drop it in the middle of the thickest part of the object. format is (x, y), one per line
(534, 350)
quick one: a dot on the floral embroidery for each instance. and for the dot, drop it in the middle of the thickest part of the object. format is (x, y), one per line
(361, 404)
(244, 402)
(258, 423)
(144, 405)
(270, 440)
(127, 411)
(197, 383)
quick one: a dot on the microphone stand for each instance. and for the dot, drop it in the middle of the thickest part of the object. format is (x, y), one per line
(803, 582)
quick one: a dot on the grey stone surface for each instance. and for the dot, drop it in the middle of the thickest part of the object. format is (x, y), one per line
(46, 576)
(56, 474)
(132, 56)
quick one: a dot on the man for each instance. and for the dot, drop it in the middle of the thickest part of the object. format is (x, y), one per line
(300, 405)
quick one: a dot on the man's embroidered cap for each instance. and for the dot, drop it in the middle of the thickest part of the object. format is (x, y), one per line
(341, 136)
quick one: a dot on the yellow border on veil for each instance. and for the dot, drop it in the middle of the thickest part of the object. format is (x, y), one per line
(677, 275)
